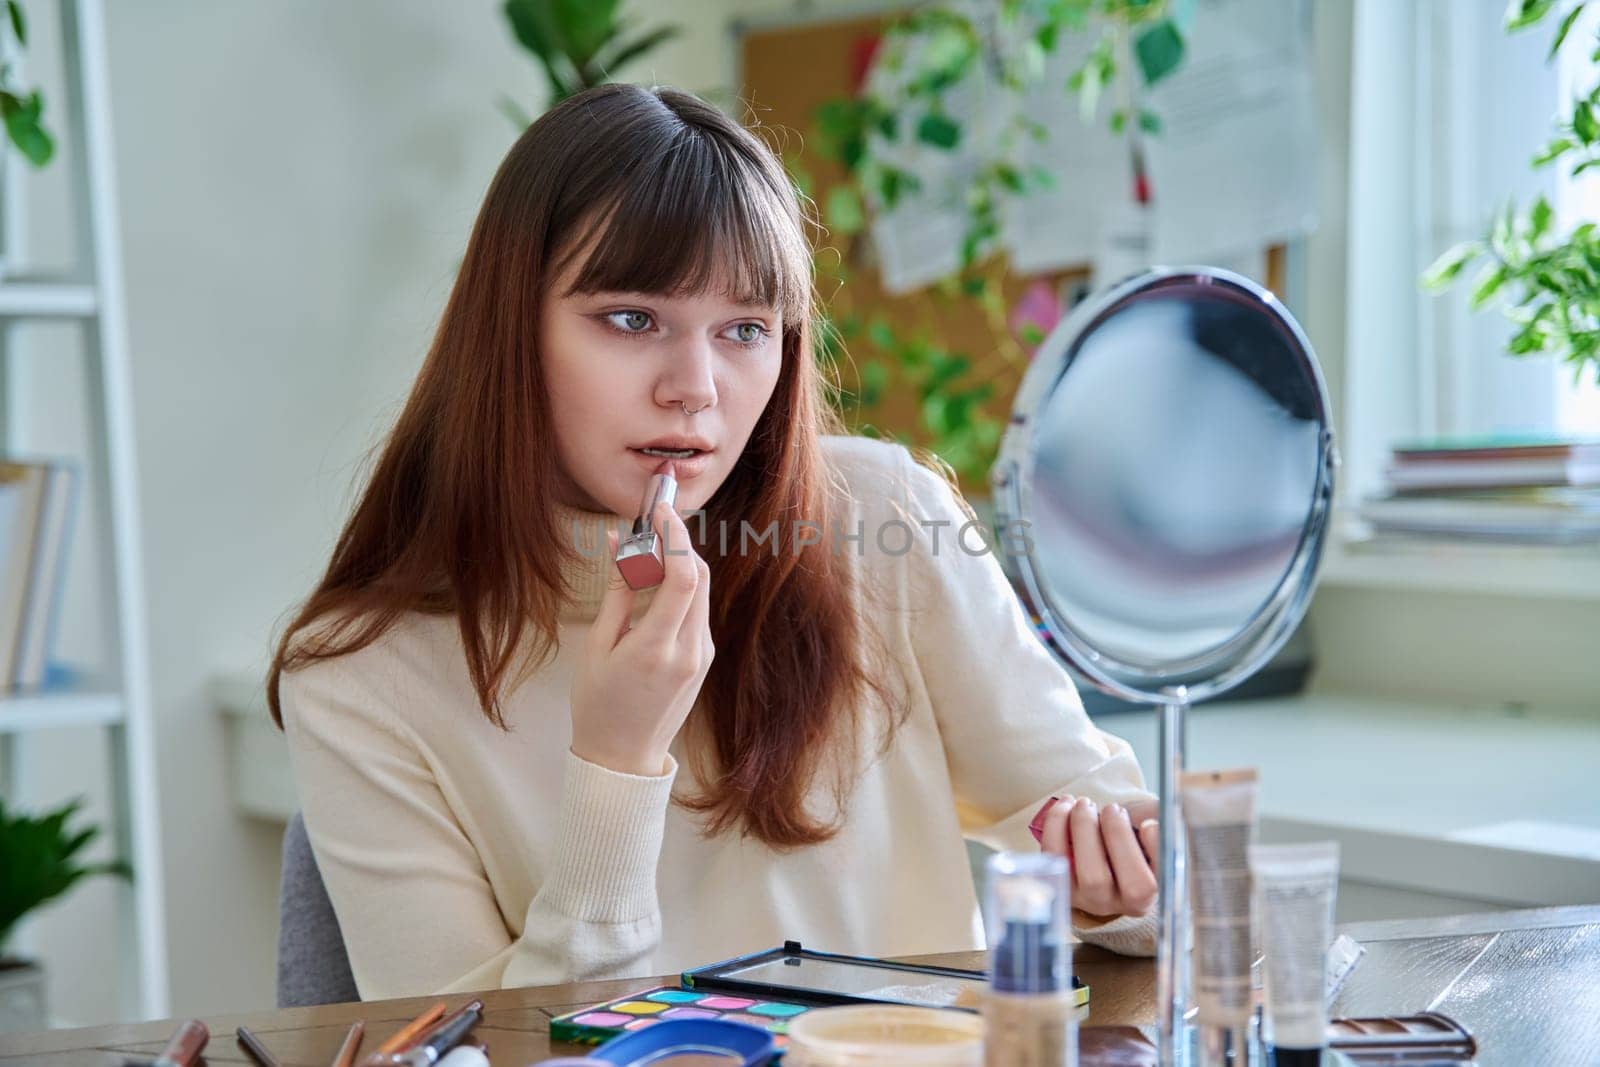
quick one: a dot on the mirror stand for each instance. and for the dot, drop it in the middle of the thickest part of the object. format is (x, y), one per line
(1172, 956)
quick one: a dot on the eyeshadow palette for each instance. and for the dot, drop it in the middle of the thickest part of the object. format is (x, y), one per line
(637, 1011)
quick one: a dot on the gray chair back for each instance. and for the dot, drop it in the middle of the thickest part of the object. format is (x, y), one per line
(313, 967)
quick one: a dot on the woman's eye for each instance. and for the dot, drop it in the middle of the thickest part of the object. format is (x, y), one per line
(630, 321)
(749, 333)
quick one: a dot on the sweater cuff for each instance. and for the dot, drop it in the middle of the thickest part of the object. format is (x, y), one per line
(609, 843)
(1127, 935)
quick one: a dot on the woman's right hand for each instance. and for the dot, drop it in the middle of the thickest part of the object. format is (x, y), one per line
(635, 684)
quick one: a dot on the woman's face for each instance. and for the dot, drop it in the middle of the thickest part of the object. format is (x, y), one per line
(621, 368)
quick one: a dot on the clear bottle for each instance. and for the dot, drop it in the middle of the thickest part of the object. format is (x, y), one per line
(1029, 1014)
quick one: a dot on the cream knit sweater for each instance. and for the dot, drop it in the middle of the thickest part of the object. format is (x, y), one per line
(460, 857)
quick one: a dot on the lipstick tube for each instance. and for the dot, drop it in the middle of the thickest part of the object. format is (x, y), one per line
(640, 556)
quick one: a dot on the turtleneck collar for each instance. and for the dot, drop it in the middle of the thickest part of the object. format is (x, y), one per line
(591, 567)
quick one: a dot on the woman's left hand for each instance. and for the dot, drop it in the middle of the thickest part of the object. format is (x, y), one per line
(1114, 853)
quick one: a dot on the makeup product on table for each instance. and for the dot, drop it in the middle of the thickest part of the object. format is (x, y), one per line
(885, 1036)
(1219, 817)
(682, 1043)
(1029, 1008)
(1295, 889)
(1426, 1035)
(252, 1044)
(352, 1044)
(641, 555)
(1343, 955)
(185, 1045)
(432, 1046)
(651, 1007)
(797, 973)
(772, 988)
(407, 1035)
(466, 1056)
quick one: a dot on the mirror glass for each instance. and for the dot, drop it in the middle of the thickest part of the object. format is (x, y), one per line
(1171, 457)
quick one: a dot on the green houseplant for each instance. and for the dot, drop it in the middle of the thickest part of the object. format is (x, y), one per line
(1547, 283)
(577, 43)
(39, 861)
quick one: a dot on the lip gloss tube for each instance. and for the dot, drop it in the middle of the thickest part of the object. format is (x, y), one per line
(640, 555)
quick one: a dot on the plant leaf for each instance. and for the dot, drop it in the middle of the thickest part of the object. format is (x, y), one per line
(513, 111)
(627, 53)
(1523, 13)
(1489, 283)
(19, 25)
(1539, 218)
(587, 26)
(1584, 123)
(1566, 28)
(25, 130)
(1443, 271)
(843, 210)
(1149, 121)
(941, 131)
(1553, 151)
(1159, 50)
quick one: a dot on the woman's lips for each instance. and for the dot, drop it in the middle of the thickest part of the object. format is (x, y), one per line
(683, 467)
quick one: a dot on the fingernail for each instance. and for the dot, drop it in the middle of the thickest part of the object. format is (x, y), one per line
(1147, 824)
(1116, 811)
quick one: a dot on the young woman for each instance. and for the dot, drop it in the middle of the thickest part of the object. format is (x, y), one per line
(515, 770)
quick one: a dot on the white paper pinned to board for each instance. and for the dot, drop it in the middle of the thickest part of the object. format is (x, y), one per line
(1235, 164)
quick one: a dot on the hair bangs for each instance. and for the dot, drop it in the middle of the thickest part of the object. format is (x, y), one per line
(701, 219)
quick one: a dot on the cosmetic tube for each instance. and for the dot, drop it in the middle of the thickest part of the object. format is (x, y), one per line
(1295, 891)
(641, 555)
(1219, 816)
(1029, 1015)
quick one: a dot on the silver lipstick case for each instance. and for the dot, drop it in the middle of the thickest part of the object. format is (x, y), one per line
(640, 556)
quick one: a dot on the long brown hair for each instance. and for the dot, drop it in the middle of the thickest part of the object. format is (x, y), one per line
(454, 519)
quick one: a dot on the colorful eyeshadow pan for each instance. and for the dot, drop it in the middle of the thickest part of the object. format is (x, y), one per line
(640, 1024)
(601, 1018)
(726, 1003)
(638, 1007)
(690, 1013)
(775, 1010)
(675, 996)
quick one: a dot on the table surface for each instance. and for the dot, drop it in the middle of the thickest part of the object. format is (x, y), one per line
(1526, 983)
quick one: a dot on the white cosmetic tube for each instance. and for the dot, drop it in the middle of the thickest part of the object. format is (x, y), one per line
(1296, 886)
(1219, 815)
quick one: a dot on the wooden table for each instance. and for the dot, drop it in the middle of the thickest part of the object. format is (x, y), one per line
(1526, 983)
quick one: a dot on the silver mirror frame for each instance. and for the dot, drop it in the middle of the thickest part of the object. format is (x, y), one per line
(1172, 685)
(1224, 666)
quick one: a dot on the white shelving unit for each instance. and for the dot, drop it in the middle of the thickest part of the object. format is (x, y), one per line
(117, 700)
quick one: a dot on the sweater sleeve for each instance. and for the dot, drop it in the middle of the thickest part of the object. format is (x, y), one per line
(1012, 723)
(414, 904)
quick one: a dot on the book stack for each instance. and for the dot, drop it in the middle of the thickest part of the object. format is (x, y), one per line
(1527, 490)
(36, 507)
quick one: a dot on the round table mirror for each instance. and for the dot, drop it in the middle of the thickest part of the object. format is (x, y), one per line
(1162, 493)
